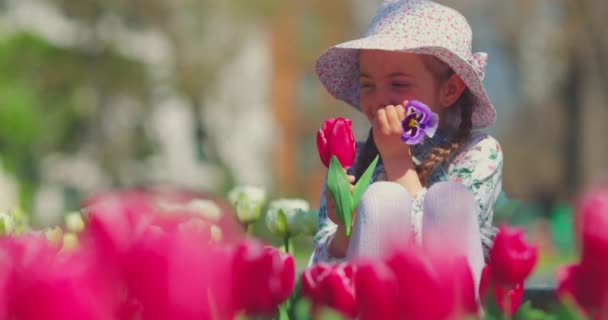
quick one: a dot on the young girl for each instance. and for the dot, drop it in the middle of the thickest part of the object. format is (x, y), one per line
(440, 192)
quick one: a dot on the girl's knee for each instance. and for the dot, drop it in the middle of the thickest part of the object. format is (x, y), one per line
(386, 191)
(449, 188)
(449, 200)
(384, 199)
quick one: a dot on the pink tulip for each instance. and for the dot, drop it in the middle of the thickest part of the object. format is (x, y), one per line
(336, 138)
(587, 281)
(507, 298)
(42, 285)
(447, 279)
(263, 277)
(331, 286)
(592, 214)
(567, 282)
(511, 258)
(165, 262)
(170, 274)
(377, 291)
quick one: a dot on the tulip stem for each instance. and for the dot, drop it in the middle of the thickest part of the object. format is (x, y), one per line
(250, 229)
(286, 244)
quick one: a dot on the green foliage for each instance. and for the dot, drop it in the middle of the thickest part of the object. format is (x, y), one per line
(41, 87)
(562, 231)
(504, 207)
(527, 312)
(363, 182)
(339, 187)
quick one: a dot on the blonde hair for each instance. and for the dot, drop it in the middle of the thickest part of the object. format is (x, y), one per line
(439, 155)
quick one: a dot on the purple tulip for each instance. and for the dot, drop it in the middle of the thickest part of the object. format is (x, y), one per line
(419, 121)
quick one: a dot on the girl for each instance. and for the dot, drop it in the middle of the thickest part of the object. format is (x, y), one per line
(440, 192)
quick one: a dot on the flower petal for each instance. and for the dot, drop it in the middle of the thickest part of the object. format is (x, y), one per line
(431, 126)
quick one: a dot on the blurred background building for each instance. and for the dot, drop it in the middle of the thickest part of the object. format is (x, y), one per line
(209, 94)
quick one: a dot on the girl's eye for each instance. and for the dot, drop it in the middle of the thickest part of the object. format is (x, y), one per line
(400, 84)
(365, 85)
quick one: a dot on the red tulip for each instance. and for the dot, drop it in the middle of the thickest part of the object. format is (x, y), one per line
(587, 281)
(42, 285)
(447, 279)
(511, 258)
(377, 292)
(567, 281)
(593, 222)
(263, 278)
(331, 286)
(508, 298)
(169, 273)
(336, 138)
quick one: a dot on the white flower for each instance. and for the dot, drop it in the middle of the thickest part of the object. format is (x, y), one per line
(307, 222)
(247, 202)
(216, 233)
(54, 236)
(70, 241)
(207, 208)
(284, 215)
(74, 222)
(7, 224)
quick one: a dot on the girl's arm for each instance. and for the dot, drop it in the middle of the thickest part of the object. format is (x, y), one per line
(325, 234)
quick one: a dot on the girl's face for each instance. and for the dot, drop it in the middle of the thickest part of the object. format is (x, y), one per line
(390, 78)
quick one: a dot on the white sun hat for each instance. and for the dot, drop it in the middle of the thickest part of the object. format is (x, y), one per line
(414, 26)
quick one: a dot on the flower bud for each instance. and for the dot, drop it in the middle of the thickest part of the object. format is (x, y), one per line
(7, 224)
(282, 217)
(247, 202)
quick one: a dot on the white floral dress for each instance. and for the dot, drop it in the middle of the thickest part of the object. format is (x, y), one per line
(477, 165)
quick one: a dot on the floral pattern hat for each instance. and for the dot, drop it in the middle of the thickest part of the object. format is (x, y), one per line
(415, 26)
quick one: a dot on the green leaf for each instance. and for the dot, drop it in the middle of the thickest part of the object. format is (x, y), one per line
(505, 207)
(330, 314)
(491, 308)
(282, 223)
(363, 182)
(567, 309)
(339, 187)
(302, 310)
(283, 313)
(527, 312)
(561, 227)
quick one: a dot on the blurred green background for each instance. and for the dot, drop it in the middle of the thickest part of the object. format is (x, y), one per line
(206, 95)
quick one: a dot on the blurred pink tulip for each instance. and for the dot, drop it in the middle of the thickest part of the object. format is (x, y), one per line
(377, 291)
(263, 277)
(507, 298)
(331, 286)
(587, 282)
(42, 285)
(512, 259)
(446, 278)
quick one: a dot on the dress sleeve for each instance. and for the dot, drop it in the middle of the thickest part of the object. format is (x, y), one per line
(479, 167)
(325, 233)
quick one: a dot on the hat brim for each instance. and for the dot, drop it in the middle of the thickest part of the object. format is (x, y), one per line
(338, 71)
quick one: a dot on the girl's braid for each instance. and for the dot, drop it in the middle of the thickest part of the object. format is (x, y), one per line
(440, 154)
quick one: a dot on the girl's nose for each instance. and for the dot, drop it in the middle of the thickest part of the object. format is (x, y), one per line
(383, 98)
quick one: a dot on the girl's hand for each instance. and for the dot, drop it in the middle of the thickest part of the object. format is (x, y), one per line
(396, 156)
(387, 131)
